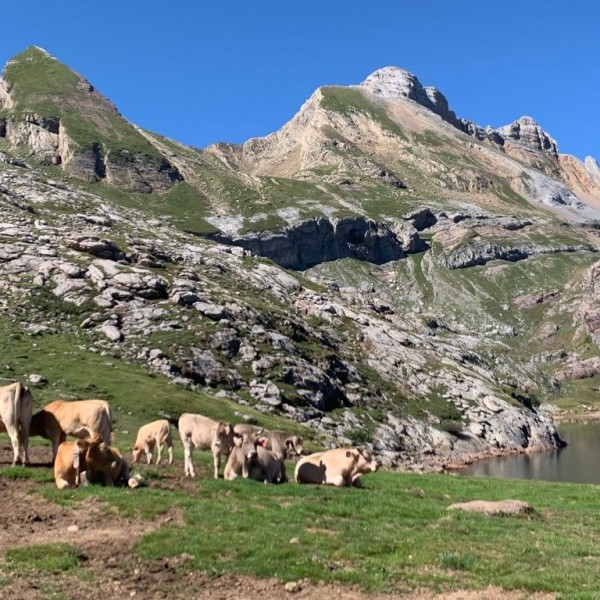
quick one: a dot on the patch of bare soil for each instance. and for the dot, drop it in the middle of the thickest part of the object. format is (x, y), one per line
(112, 570)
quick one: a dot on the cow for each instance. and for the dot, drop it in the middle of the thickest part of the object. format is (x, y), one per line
(89, 461)
(79, 418)
(267, 467)
(203, 433)
(339, 467)
(244, 451)
(157, 433)
(283, 444)
(245, 428)
(16, 405)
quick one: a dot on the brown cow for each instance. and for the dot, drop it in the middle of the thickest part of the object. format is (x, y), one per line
(89, 461)
(203, 433)
(79, 418)
(16, 404)
(241, 455)
(340, 467)
(157, 433)
(254, 430)
(283, 444)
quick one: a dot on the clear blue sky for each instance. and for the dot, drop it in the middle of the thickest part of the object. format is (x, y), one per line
(204, 71)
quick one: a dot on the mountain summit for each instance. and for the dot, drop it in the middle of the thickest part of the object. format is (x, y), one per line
(52, 113)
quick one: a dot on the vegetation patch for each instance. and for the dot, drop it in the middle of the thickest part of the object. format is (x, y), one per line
(53, 558)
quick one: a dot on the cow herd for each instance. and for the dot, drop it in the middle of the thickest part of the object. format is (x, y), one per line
(250, 452)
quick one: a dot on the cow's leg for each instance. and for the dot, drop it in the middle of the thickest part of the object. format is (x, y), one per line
(338, 481)
(187, 452)
(170, 448)
(217, 462)
(159, 447)
(13, 434)
(148, 452)
(24, 439)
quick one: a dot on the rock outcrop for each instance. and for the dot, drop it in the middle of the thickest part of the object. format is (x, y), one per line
(315, 241)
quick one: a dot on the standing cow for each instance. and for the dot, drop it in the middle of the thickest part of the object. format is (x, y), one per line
(203, 433)
(79, 418)
(157, 433)
(16, 405)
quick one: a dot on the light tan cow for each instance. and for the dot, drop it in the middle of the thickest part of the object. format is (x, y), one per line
(254, 430)
(197, 431)
(89, 461)
(16, 405)
(284, 445)
(266, 467)
(79, 418)
(242, 454)
(339, 467)
(157, 433)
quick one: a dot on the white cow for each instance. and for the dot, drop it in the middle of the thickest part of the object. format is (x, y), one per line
(16, 405)
(203, 433)
(157, 433)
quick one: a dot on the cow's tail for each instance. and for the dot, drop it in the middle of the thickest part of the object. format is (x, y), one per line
(172, 420)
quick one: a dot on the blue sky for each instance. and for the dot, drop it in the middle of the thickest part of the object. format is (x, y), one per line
(203, 71)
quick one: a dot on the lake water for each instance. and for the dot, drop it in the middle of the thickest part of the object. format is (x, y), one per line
(579, 462)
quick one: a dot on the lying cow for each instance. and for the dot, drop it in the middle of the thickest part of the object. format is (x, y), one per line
(89, 461)
(79, 418)
(157, 433)
(282, 444)
(266, 467)
(340, 467)
(242, 454)
(16, 405)
(203, 433)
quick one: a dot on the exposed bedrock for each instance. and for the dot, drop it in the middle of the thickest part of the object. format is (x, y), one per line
(320, 240)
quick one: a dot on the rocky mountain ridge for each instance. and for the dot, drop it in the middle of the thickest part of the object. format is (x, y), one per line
(427, 289)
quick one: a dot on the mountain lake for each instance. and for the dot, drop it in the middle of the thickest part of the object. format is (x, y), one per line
(578, 462)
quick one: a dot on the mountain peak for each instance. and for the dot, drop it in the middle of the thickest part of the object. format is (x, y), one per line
(395, 82)
(527, 132)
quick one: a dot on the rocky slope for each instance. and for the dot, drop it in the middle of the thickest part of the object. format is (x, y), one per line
(378, 270)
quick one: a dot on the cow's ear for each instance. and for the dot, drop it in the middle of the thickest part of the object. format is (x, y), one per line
(289, 443)
(263, 441)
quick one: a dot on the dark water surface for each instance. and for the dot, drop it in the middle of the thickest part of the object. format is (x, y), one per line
(579, 462)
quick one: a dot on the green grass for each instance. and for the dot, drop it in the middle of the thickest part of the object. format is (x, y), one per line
(344, 100)
(52, 558)
(394, 535)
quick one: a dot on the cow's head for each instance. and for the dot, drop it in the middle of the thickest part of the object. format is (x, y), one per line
(137, 452)
(294, 445)
(365, 461)
(223, 435)
(247, 444)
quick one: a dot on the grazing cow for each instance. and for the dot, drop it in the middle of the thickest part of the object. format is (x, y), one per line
(89, 461)
(340, 467)
(283, 444)
(203, 433)
(241, 455)
(157, 433)
(80, 418)
(16, 405)
(267, 467)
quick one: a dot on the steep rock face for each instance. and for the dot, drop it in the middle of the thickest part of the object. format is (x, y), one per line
(320, 240)
(56, 116)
